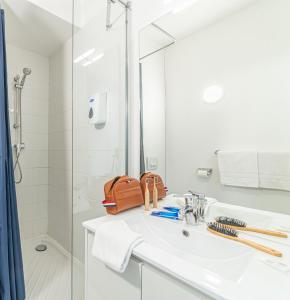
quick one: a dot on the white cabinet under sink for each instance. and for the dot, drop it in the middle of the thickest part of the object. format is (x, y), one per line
(157, 285)
(102, 283)
(139, 282)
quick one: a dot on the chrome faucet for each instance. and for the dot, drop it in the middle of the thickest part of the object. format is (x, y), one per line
(188, 210)
(195, 206)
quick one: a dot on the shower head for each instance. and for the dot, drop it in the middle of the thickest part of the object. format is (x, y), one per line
(26, 71)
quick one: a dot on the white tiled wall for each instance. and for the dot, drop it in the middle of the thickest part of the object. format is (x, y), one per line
(32, 192)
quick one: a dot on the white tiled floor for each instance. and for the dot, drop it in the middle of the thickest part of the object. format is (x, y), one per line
(48, 273)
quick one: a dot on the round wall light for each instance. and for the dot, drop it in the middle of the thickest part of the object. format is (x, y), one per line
(213, 94)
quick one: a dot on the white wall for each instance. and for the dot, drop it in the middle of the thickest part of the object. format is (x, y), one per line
(248, 54)
(153, 86)
(32, 192)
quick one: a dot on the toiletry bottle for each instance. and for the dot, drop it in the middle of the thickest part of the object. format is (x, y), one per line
(155, 193)
(147, 196)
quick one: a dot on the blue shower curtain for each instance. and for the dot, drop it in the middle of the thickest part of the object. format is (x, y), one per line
(11, 267)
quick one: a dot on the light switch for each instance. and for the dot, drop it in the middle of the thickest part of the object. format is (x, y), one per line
(151, 163)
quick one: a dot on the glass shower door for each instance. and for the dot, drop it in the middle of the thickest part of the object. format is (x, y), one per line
(99, 114)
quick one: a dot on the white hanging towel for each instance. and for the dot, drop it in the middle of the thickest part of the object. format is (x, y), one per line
(113, 244)
(274, 170)
(238, 168)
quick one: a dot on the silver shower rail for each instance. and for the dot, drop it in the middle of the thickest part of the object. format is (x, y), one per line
(109, 25)
(126, 5)
(19, 144)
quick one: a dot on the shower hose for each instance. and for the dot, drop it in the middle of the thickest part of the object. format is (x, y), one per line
(17, 164)
(18, 125)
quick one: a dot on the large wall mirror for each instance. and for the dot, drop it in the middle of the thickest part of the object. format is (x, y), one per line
(215, 101)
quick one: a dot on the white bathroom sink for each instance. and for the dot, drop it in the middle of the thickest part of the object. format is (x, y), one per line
(200, 247)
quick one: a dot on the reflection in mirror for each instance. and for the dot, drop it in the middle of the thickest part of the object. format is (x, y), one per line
(214, 86)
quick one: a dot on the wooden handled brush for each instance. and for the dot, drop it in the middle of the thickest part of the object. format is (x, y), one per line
(228, 233)
(155, 193)
(240, 225)
(147, 197)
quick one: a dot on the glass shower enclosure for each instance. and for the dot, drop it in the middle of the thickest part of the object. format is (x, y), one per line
(100, 114)
(68, 104)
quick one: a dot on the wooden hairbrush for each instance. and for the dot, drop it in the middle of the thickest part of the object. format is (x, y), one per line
(228, 233)
(240, 225)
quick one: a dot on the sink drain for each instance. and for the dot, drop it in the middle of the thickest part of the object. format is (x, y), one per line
(41, 248)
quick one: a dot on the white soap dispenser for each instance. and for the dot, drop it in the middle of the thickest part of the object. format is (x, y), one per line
(98, 107)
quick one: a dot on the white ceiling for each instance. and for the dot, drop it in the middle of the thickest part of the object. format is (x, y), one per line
(60, 8)
(198, 14)
(42, 26)
(34, 28)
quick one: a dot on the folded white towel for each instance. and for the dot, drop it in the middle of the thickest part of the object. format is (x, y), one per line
(274, 170)
(113, 244)
(238, 168)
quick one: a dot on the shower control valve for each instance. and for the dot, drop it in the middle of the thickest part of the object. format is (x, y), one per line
(19, 147)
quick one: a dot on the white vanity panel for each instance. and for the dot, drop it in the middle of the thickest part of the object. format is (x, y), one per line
(139, 282)
(157, 285)
(102, 283)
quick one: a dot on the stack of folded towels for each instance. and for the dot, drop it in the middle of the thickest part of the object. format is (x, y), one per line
(270, 170)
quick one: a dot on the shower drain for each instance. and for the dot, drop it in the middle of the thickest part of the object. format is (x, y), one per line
(185, 233)
(41, 247)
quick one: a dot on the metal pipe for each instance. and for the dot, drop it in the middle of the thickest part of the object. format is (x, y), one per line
(108, 19)
(126, 5)
(142, 154)
(127, 88)
(109, 24)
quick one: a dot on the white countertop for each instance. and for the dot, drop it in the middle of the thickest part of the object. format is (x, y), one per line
(255, 279)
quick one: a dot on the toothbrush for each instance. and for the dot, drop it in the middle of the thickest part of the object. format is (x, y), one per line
(228, 233)
(171, 208)
(147, 197)
(155, 194)
(240, 225)
(166, 214)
